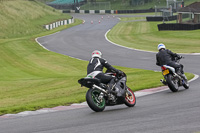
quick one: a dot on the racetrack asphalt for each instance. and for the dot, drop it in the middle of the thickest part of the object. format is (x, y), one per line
(163, 112)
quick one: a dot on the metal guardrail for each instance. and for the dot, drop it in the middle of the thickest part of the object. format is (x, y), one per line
(59, 23)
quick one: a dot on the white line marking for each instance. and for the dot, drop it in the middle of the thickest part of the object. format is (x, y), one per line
(195, 77)
(36, 39)
(143, 93)
(139, 49)
(124, 46)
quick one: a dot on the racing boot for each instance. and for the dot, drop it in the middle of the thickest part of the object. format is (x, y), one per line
(163, 81)
(111, 85)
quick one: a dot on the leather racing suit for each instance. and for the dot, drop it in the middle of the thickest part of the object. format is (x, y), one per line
(166, 57)
(95, 69)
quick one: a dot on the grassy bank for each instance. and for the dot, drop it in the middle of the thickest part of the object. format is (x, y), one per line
(32, 77)
(26, 18)
(145, 36)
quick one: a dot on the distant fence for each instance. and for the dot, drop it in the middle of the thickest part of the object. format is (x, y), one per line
(134, 11)
(90, 11)
(108, 11)
(59, 23)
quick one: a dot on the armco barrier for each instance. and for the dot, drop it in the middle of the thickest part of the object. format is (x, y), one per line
(89, 11)
(108, 11)
(134, 11)
(59, 23)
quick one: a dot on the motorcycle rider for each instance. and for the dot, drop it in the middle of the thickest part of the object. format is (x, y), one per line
(95, 69)
(166, 57)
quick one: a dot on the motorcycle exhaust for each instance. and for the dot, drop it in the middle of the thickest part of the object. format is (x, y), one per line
(177, 76)
(95, 86)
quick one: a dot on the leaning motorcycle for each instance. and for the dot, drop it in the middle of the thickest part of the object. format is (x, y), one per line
(173, 79)
(98, 97)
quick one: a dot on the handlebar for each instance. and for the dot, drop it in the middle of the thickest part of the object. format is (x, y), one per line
(177, 59)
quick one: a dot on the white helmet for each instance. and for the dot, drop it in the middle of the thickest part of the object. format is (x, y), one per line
(96, 53)
(160, 46)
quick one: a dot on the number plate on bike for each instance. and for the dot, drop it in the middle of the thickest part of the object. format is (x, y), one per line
(165, 72)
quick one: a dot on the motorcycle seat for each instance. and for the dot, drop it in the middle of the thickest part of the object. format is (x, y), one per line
(88, 82)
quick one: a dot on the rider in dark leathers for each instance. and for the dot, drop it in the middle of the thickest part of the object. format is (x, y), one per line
(95, 69)
(166, 57)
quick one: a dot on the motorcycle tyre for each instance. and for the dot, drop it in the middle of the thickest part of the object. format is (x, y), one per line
(129, 103)
(91, 102)
(186, 85)
(171, 84)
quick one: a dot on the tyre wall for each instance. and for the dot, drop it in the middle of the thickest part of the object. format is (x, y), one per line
(176, 26)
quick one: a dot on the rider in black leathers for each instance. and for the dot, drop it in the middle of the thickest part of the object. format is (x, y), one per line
(95, 69)
(166, 57)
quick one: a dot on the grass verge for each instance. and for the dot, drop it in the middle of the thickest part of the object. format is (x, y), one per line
(145, 36)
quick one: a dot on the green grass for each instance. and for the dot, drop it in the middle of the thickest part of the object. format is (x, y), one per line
(22, 18)
(32, 77)
(145, 36)
(132, 18)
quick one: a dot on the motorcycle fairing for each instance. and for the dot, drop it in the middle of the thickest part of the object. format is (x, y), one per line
(120, 87)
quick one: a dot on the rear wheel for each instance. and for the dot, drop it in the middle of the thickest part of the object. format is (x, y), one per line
(172, 83)
(94, 101)
(130, 99)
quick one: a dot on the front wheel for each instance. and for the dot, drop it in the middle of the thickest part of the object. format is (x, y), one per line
(129, 99)
(185, 84)
(94, 100)
(172, 83)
